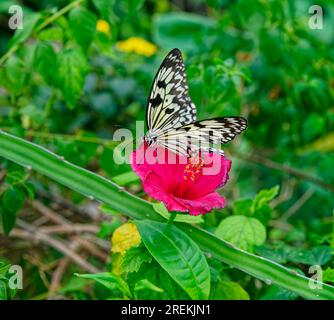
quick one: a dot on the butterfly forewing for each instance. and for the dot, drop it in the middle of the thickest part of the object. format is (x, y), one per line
(169, 106)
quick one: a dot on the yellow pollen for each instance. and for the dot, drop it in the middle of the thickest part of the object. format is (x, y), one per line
(193, 167)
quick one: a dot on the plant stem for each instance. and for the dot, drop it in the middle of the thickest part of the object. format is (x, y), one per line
(171, 218)
(58, 14)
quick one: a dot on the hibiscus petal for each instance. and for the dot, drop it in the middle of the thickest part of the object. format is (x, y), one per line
(205, 182)
(204, 204)
(153, 186)
(166, 164)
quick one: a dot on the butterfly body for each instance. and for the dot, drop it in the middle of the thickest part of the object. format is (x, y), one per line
(151, 137)
(171, 115)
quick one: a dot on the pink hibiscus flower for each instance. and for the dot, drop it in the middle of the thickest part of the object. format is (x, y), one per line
(181, 183)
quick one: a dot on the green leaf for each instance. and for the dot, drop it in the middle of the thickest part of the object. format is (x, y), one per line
(8, 219)
(278, 252)
(159, 277)
(29, 22)
(13, 199)
(263, 214)
(134, 258)
(51, 34)
(328, 275)
(45, 61)
(3, 290)
(315, 256)
(4, 267)
(244, 232)
(276, 293)
(71, 75)
(29, 190)
(243, 207)
(314, 125)
(108, 209)
(178, 255)
(125, 178)
(15, 74)
(107, 228)
(102, 5)
(145, 284)
(12, 202)
(109, 280)
(160, 208)
(182, 30)
(265, 196)
(83, 26)
(228, 290)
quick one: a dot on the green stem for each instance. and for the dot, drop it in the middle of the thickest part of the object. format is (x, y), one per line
(85, 182)
(58, 14)
(171, 218)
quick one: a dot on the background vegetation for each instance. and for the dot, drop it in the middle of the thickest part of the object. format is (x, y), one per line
(79, 70)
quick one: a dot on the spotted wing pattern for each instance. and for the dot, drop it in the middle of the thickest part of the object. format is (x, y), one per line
(169, 105)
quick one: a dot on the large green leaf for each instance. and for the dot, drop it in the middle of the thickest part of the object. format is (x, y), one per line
(15, 75)
(12, 201)
(71, 74)
(157, 276)
(178, 255)
(83, 26)
(244, 232)
(315, 256)
(45, 61)
(134, 258)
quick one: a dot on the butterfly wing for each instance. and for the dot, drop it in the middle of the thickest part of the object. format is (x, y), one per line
(202, 135)
(169, 105)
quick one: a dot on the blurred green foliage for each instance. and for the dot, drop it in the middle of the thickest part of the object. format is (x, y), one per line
(68, 81)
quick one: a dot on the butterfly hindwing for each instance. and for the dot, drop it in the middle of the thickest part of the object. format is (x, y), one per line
(203, 135)
(169, 105)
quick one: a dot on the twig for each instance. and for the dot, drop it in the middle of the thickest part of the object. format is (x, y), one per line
(91, 247)
(285, 194)
(65, 204)
(32, 233)
(298, 204)
(50, 214)
(282, 167)
(59, 272)
(69, 229)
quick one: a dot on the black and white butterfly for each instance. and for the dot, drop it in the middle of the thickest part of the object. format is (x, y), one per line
(171, 116)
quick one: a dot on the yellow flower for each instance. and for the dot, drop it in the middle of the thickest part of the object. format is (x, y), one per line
(103, 26)
(125, 237)
(137, 45)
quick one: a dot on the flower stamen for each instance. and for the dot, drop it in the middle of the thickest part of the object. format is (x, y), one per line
(193, 167)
